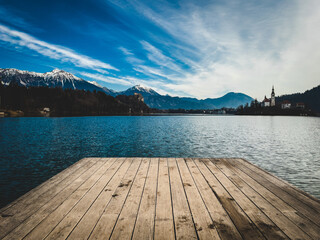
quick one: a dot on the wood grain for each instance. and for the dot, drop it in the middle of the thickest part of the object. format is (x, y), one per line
(162, 198)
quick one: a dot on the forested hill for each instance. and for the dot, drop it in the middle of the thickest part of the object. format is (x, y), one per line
(66, 80)
(310, 97)
(67, 102)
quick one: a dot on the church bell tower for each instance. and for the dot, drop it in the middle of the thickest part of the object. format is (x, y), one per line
(273, 98)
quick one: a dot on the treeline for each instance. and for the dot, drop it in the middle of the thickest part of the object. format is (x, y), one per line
(256, 108)
(67, 102)
(310, 97)
(200, 111)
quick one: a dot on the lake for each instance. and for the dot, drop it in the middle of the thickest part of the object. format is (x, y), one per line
(34, 149)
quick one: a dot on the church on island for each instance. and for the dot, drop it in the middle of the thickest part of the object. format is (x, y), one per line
(269, 102)
(272, 106)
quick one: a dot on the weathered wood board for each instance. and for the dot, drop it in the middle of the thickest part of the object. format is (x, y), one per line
(162, 198)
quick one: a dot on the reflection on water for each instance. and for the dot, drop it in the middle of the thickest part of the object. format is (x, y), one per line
(34, 149)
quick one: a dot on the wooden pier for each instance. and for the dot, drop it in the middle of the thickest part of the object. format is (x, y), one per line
(162, 198)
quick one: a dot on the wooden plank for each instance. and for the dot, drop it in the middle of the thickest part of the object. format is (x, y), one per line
(105, 225)
(127, 218)
(221, 220)
(53, 219)
(285, 224)
(184, 225)
(144, 227)
(44, 186)
(265, 225)
(164, 224)
(202, 220)
(304, 197)
(302, 222)
(23, 209)
(163, 198)
(85, 226)
(78, 188)
(245, 226)
(65, 226)
(277, 187)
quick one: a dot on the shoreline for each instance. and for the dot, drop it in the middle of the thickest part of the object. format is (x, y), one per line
(155, 115)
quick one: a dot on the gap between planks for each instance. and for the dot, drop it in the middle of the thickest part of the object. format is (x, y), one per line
(162, 198)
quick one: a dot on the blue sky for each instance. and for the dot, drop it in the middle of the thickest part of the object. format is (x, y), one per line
(185, 48)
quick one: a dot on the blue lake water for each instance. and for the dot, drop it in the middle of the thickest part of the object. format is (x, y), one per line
(34, 149)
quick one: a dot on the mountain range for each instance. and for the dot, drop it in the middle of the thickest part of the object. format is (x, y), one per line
(66, 80)
(55, 78)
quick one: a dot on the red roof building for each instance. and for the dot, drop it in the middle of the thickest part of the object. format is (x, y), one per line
(300, 105)
(266, 102)
(286, 104)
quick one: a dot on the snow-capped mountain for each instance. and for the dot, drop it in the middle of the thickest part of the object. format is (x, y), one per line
(60, 78)
(144, 91)
(24, 78)
(55, 78)
(95, 83)
(155, 100)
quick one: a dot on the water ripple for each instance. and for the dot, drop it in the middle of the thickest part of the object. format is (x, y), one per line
(34, 149)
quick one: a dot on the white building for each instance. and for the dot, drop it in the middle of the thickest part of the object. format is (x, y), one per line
(286, 104)
(269, 102)
(266, 102)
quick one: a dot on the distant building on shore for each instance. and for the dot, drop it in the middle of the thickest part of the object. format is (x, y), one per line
(266, 102)
(269, 102)
(286, 104)
(300, 105)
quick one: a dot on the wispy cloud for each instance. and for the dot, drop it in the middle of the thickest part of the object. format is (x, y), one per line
(130, 57)
(107, 79)
(125, 51)
(63, 54)
(234, 46)
(149, 71)
(194, 48)
(156, 56)
(8, 17)
(125, 81)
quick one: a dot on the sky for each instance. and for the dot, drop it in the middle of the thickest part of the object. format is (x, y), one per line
(193, 48)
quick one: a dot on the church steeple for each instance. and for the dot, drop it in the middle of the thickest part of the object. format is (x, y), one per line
(273, 97)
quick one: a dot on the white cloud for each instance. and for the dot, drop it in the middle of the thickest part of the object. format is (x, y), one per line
(209, 48)
(237, 46)
(150, 71)
(127, 81)
(107, 79)
(130, 56)
(125, 51)
(156, 56)
(57, 52)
